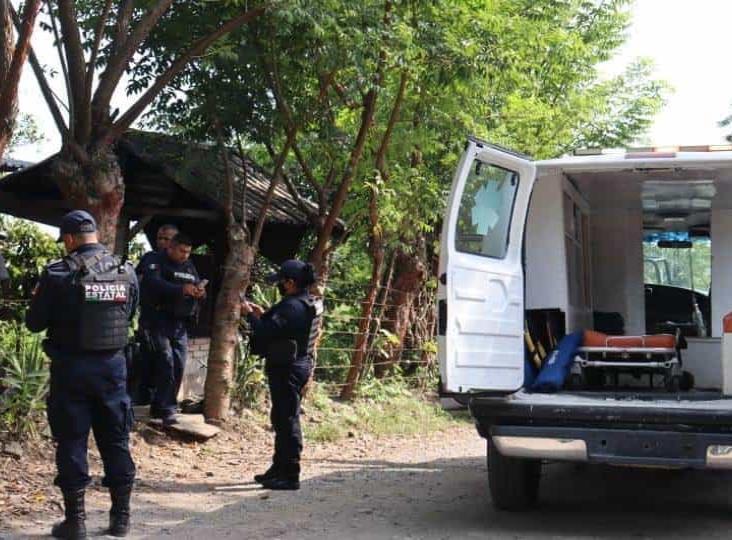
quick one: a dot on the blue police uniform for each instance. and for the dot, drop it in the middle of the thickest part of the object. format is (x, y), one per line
(141, 382)
(166, 313)
(285, 335)
(87, 387)
(87, 325)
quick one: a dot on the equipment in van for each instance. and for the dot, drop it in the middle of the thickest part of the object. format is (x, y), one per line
(602, 359)
(558, 364)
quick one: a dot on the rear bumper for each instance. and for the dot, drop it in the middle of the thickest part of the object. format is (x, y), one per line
(673, 437)
(616, 447)
(659, 414)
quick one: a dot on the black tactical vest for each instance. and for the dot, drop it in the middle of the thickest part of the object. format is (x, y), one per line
(183, 307)
(315, 308)
(101, 287)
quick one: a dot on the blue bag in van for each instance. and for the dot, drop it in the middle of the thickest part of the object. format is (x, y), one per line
(558, 364)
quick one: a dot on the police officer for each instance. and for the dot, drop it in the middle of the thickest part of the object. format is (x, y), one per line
(86, 302)
(141, 382)
(162, 240)
(285, 335)
(171, 290)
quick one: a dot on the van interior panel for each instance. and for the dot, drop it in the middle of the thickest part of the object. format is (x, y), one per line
(591, 246)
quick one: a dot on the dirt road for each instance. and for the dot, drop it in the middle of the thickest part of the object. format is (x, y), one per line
(433, 488)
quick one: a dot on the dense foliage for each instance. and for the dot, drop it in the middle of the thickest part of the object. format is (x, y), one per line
(364, 107)
(310, 78)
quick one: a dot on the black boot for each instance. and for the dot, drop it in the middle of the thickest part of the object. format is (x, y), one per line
(289, 484)
(119, 515)
(287, 478)
(73, 526)
(270, 474)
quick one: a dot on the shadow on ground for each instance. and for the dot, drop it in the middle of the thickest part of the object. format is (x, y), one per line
(442, 499)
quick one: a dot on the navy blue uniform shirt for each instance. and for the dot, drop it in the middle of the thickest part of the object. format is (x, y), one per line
(160, 290)
(289, 319)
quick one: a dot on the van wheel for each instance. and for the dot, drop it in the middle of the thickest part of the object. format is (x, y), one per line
(513, 482)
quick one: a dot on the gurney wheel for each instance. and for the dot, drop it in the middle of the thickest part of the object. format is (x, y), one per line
(575, 381)
(687, 381)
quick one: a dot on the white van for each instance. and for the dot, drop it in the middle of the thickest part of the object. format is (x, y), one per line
(576, 236)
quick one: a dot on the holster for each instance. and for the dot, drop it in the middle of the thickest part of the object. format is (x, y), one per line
(281, 353)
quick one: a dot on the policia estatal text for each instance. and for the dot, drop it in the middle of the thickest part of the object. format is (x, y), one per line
(86, 302)
(285, 335)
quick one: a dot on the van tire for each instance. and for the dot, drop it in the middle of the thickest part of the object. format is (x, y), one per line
(513, 482)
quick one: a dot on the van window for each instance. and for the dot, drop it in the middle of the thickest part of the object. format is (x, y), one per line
(484, 218)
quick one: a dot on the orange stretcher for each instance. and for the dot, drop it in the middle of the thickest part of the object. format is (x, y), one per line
(603, 358)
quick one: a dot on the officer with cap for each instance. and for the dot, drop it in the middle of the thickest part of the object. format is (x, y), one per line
(86, 302)
(171, 291)
(285, 336)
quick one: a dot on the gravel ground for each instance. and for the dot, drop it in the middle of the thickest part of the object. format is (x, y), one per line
(431, 488)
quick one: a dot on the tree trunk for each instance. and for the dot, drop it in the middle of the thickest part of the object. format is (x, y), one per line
(225, 328)
(93, 182)
(12, 59)
(7, 47)
(376, 250)
(410, 275)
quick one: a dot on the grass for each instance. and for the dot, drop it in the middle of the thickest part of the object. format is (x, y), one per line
(391, 409)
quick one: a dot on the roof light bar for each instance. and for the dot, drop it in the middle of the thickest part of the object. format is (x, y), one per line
(644, 152)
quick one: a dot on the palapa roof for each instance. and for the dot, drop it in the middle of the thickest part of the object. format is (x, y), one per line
(170, 180)
(199, 168)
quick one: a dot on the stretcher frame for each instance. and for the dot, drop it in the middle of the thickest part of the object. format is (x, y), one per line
(636, 361)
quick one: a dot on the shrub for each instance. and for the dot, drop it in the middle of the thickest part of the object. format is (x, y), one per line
(23, 381)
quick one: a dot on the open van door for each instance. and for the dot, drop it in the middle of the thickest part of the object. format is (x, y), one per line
(481, 290)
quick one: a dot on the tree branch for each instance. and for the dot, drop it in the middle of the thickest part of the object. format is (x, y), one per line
(347, 101)
(80, 120)
(195, 50)
(291, 188)
(12, 77)
(367, 117)
(380, 160)
(307, 171)
(245, 180)
(98, 35)
(276, 177)
(58, 45)
(42, 81)
(228, 174)
(124, 50)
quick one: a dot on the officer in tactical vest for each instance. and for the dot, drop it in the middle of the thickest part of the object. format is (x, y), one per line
(141, 381)
(86, 302)
(285, 335)
(164, 235)
(171, 291)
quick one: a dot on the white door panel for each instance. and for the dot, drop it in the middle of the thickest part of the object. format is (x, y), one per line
(481, 294)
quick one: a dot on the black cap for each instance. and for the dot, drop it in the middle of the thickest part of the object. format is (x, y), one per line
(292, 269)
(76, 222)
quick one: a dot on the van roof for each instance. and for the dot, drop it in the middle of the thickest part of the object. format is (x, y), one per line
(633, 159)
